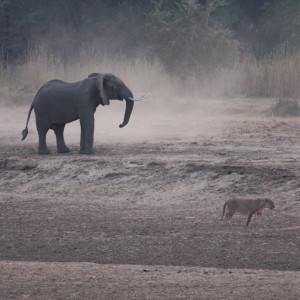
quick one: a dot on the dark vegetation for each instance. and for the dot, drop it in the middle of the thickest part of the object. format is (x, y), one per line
(203, 47)
(285, 108)
(211, 32)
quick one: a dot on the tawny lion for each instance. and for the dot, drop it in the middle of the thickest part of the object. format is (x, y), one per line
(247, 207)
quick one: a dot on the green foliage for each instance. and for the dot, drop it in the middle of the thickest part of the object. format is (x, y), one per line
(279, 26)
(241, 16)
(119, 27)
(15, 27)
(64, 27)
(188, 40)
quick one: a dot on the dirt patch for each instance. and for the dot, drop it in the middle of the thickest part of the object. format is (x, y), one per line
(94, 281)
(141, 220)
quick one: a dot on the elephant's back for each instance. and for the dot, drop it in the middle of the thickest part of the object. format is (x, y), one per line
(56, 92)
(57, 83)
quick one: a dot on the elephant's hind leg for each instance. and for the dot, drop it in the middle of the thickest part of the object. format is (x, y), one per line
(42, 142)
(42, 126)
(60, 142)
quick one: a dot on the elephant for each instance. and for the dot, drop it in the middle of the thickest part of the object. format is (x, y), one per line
(58, 103)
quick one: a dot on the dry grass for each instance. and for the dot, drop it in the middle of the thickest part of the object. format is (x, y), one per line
(20, 82)
(277, 76)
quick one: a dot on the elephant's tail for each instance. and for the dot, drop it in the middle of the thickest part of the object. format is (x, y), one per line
(25, 131)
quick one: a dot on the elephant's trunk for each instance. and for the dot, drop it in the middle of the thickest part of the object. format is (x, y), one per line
(128, 111)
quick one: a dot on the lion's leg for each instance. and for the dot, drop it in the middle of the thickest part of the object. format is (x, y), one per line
(228, 216)
(249, 218)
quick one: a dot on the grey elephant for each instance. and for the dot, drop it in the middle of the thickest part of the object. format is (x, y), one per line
(58, 103)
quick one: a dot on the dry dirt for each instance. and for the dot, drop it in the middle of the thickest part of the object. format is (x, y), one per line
(140, 219)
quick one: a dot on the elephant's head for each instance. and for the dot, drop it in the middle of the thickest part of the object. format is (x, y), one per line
(112, 88)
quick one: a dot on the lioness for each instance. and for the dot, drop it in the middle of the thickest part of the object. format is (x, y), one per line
(247, 207)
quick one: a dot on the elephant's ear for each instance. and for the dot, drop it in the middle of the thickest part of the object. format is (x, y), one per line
(99, 83)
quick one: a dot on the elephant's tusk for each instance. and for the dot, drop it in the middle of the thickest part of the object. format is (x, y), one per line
(138, 98)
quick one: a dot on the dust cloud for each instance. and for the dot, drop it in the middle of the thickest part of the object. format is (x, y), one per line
(146, 125)
(173, 109)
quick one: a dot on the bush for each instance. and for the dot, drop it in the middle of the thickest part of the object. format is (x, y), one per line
(188, 41)
(286, 108)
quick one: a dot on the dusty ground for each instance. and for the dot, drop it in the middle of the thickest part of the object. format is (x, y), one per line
(141, 218)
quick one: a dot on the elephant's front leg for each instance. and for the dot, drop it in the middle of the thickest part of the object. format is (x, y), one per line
(87, 134)
(59, 133)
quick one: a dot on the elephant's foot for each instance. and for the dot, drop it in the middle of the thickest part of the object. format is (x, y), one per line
(87, 152)
(43, 151)
(63, 150)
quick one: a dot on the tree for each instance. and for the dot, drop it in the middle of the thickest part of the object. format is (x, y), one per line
(188, 40)
(15, 24)
(279, 26)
